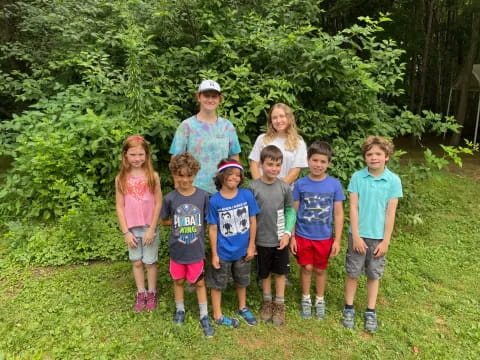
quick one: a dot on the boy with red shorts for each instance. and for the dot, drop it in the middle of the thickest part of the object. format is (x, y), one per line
(317, 199)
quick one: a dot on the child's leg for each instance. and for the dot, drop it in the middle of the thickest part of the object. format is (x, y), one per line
(202, 297)
(306, 278)
(280, 283)
(178, 291)
(242, 297)
(350, 289)
(267, 285)
(152, 275)
(372, 292)
(216, 303)
(320, 281)
(139, 275)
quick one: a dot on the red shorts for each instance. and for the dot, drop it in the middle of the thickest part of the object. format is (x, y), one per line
(191, 272)
(313, 252)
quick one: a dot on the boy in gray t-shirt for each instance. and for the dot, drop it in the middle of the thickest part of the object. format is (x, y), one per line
(274, 225)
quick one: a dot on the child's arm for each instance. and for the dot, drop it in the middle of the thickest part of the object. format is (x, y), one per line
(293, 242)
(292, 176)
(338, 219)
(130, 240)
(254, 169)
(359, 244)
(212, 234)
(149, 235)
(166, 222)
(382, 248)
(251, 243)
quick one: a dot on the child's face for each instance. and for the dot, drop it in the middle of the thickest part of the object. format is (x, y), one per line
(184, 180)
(376, 158)
(209, 100)
(318, 165)
(136, 156)
(280, 120)
(271, 168)
(231, 181)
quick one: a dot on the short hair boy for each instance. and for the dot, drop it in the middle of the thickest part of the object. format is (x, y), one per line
(318, 200)
(274, 228)
(232, 227)
(374, 193)
(185, 210)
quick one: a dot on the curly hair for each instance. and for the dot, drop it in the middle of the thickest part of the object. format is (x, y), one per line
(219, 179)
(384, 144)
(184, 161)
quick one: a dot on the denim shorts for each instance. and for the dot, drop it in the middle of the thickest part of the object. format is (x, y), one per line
(218, 278)
(357, 263)
(148, 254)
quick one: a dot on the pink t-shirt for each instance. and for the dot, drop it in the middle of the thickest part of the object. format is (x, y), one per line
(139, 202)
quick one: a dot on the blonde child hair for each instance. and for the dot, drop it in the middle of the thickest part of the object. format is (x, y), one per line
(293, 138)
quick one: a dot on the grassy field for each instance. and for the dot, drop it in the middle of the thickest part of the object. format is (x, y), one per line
(428, 305)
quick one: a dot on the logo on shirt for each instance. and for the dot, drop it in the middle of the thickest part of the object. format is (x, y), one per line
(187, 223)
(235, 221)
(316, 207)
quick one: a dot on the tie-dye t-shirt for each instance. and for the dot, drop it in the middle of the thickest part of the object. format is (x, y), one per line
(209, 143)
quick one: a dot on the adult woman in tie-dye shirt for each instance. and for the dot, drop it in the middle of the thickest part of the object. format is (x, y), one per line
(207, 136)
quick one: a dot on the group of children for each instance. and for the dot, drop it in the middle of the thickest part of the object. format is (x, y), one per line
(267, 220)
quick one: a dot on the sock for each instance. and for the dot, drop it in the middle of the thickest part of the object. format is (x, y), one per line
(203, 309)
(152, 291)
(279, 299)
(349, 307)
(306, 298)
(319, 299)
(267, 297)
(370, 310)
(141, 291)
(179, 305)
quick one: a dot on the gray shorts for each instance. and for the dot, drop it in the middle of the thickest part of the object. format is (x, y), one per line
(218, 278)
(357, 263)
(148, 254)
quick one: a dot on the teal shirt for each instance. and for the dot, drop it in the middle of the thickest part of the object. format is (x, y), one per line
(373, 196)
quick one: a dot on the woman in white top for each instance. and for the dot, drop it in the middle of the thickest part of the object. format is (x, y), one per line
(281, 132)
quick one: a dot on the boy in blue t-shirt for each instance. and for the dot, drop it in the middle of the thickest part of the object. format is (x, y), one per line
(374, 193)
(317, 198)
(232, 229)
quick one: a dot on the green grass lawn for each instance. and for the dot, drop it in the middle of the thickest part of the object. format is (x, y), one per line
(428, 305)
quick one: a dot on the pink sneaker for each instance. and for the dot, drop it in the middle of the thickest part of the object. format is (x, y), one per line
(141, 301)
(151, 300)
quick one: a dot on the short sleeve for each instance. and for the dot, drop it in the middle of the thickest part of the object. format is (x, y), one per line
(339, 195)
(301, 155)
(180, 140)
(233, 143)
(257, 148)
(206, 200)
(288, 196)
(296, 191)
(353, 185)
(253, 208)
(396, 188)
(165, 210)
(212, 217)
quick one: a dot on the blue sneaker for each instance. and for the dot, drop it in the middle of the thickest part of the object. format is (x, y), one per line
(179, 317)
(226, 321)
(370, 321)
(247, 316)
(306, 309)
(208, 330)
(348, 318)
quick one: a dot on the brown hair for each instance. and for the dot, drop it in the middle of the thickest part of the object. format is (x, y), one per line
(293, 139)
(133, 141)
(184, 161)
(220, 177)
(384, 144)
(271, 152)
(320, 147)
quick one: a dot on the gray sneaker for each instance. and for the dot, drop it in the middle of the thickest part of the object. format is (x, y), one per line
(306, 309)
(320, 309)
(348, 318)
(370, 321)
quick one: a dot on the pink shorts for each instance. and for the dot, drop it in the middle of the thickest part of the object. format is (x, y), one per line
(313, 252)
(191, 272)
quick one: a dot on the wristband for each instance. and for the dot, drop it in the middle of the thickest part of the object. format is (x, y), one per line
(288, 233)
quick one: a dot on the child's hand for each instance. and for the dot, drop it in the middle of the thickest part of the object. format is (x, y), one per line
(148, 237)
(335, 248)
(293, 245)
(284, 240)
(381, 249)
(130, 240)
(250, 253)
(359, 245)
(215, 262)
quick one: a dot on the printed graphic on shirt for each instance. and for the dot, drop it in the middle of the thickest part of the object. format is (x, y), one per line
(234, 221)
(187, 223)
(137, 187)
(280, 223)
(316, 207)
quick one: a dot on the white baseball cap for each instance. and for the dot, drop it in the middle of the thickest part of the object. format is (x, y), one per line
(209, 85)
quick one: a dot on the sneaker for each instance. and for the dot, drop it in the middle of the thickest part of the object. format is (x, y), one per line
(151, 301)
(208, 330)
(320, 310)
(140, 302)
(226, 321)
(370, 321)
(306, 309)
(247, 316)
(348, 318)
(266, 311)
(278, 318)
(179, 317)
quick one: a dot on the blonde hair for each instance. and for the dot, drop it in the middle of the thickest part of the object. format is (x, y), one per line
(293, 139)
(133, 141)
(384, 144)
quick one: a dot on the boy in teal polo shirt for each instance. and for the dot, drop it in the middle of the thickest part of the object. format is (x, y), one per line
(374, 193)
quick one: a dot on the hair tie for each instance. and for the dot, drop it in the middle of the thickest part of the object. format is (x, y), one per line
(139, 138)
(230, 164)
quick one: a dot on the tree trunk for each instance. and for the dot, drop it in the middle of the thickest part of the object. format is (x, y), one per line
(466, 74)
